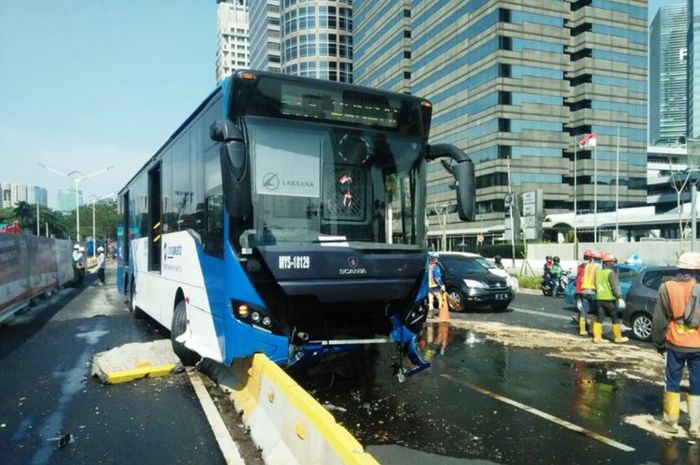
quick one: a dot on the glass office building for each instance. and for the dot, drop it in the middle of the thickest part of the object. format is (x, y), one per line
(668, 102)
(517, 84)
(693, 70)
(264, 27)
(317, 39)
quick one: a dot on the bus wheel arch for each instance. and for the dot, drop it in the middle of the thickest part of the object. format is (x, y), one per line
(177, 327)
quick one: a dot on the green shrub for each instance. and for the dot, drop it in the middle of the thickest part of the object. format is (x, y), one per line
(504, 250)
(529, 282)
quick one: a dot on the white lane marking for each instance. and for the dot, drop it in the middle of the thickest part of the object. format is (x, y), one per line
(546, 416)
(535, 312)
(223, 438)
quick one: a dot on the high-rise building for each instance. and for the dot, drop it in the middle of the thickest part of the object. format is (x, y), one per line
(383, 33)
(65, 199)
(668, 94)
(232, 51)
(304, 38)
(317, 39)
(264, 26)
(517, 85)
(38, 195)
(12, 193)
(693, 70)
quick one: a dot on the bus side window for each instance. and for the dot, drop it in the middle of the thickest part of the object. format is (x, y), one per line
(214, 229)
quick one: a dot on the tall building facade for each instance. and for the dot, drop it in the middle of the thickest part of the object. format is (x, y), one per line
(232, 49)
(36, 194)
(310, 38)
(317, 39)
(264, 22)
(65, 199)
(693, 69)
(516, 84)
(383, 34)
(668, 96)
(11, 194)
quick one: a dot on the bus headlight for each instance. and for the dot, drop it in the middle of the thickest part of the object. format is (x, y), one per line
(255, 316)
(267, 322)
(243, 311)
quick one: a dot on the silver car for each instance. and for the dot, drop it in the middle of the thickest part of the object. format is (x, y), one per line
(641, 299)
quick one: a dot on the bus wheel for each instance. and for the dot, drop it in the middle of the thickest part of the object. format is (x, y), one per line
(178, 326)
(135, 311)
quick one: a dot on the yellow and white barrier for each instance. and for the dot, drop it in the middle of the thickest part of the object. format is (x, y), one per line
(289, 425)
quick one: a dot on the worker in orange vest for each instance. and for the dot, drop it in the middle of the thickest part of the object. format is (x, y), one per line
(675, 331)
(585, 286)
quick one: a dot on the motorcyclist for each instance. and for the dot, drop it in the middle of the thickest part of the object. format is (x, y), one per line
(498, 263)
(547, 270)
(555, 275)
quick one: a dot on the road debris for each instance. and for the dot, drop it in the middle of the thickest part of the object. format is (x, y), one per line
(631, 360)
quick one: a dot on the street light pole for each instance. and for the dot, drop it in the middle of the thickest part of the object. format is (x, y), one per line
(76, 176)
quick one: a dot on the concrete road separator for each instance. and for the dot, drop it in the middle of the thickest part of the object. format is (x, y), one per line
(135, 361)
(286, 423)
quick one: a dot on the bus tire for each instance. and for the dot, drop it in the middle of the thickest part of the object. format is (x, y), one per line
(178, 326)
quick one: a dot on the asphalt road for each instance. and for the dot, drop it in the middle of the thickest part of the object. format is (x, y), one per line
(485, 403)
(47, 392)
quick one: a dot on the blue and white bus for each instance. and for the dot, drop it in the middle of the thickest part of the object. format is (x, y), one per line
(286, 216)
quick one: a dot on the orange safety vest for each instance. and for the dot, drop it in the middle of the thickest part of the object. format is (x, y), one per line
(588, 282)
(678, 296)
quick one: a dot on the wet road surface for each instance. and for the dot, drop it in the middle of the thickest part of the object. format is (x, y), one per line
(441, 416)
(47, 392)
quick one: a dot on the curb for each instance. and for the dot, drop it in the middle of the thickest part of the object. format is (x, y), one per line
(125, 376)
(529, 291)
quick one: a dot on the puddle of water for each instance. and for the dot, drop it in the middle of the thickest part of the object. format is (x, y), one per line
(433, 415)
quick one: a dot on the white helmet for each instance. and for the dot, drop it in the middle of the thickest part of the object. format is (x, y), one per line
(76, 247)
(100, 249)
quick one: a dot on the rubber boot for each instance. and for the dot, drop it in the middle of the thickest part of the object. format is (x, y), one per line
(598, 333)
(618, 338)
(582, 326)
(694, 415)
(672, 410)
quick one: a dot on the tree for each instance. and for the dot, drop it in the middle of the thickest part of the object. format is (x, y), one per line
(679, 180)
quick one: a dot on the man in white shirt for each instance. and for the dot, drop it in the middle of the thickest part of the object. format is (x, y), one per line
(76, 258)
(101, 265)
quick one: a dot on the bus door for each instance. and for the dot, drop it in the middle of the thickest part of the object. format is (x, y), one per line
(154, 208)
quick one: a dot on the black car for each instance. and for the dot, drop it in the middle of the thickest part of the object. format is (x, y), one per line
(641, 299)
(471, 285)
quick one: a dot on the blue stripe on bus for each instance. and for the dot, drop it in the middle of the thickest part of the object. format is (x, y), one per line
(225, 280)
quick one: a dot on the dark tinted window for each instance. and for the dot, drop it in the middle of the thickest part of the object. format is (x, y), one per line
(653, 279)
(321, 101)
(462, 266)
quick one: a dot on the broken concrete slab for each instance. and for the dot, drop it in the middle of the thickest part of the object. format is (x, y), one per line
(134, 361)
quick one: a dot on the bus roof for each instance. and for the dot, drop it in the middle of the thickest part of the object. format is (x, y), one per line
(239, 75)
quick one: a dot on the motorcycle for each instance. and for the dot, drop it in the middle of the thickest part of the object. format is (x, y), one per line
(547, 285)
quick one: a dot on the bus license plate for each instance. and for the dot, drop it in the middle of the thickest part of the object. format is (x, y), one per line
(501, 296)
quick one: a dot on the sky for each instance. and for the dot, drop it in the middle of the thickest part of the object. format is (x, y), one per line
(87, 84)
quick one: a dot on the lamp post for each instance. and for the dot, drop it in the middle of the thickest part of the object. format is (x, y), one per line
(96, 199)
(76, 176)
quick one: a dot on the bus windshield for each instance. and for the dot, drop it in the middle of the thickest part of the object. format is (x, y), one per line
(318, 183)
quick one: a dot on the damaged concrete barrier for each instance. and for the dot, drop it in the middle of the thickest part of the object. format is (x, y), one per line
(288, 425)
(134, 361)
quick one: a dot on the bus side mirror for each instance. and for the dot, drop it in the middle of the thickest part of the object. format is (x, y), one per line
(223, 130)
(462, 168)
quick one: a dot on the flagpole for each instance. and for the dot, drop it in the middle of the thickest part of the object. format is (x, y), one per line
(595, 193)
(617, 188)
(575, 209)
